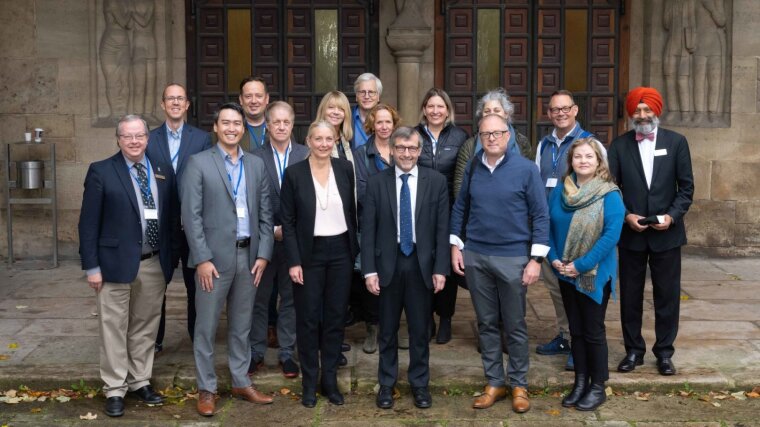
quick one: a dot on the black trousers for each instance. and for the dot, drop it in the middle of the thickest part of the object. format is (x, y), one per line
(406, 291)
(589, 336)
(188, 275)
(321, 309)
(445, 302)
(665, 270)
(370, 305)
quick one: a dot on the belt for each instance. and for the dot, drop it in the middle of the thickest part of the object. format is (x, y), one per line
(243, 243)
(143, 257)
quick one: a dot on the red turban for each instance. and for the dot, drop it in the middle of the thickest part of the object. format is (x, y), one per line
(648, 96)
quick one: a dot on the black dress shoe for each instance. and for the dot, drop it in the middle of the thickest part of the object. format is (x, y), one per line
(665, 366)
(630, 362)
(422, 398)
(444, 331)
(345, 347)
(115, 406)
(342, 361)
(148, 395)
(333, 395)
(384, 398)
(594, 397)
(309, 398)
(579, 389)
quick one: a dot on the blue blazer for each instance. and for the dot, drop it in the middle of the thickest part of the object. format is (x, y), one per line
(193, 140)
(110, 231)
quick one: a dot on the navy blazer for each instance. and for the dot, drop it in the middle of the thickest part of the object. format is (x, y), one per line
(110, 230)
(297, 153)
(193, 141)
(671, 191)
(298, 207)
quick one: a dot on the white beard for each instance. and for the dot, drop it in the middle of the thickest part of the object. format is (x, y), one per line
(646, 127)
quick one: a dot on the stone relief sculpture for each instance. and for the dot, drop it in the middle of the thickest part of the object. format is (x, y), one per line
(695, 61)
(128, 56)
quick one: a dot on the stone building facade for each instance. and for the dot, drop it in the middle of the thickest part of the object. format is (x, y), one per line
(62, 69)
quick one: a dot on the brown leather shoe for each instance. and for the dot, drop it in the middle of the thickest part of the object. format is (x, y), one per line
(489, 397)
(520, 401)
(252, 395)
(206, 403)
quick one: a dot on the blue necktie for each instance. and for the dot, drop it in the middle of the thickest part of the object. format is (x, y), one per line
(405, 216)
(151, 231)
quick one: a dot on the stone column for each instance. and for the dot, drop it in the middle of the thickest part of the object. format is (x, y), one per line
(408, 38)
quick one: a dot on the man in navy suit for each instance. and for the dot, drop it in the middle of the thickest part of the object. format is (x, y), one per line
(278, 152)
(173, 143)
(128, 230)
(405, 259)
(652, 167)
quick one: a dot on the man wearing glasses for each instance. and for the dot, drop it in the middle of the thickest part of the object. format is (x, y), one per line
(172, 144)
(128, 243)
(551, 158)
(368, 89)
(404, 256)
(503, 251)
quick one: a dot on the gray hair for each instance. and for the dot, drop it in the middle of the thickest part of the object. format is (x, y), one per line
(369, 77)
(406, 133)
(498, 94)
(131, 118)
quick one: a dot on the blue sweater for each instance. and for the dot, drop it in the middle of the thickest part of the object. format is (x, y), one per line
(602, 253)
(502, 205)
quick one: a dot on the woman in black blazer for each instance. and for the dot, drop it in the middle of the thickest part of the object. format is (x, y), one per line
(318, 211)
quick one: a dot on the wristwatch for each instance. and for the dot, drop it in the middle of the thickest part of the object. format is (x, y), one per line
(538, 259)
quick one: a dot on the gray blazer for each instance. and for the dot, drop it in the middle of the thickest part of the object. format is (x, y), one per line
(208, 210)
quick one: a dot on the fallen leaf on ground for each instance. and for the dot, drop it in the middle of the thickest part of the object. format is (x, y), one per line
(684, 297)
(21, 307)
(11, 400)
(684, 393)
(11, 393)
(36, 410)
(63, 399)
(704, 398)
(42, 398)
(177, 416)
(715, 404)
(13, 346)
(88, 416)
(739, 395)
(553, 412)
(284, 391)
(4, 357)
(477, 394)
(608, 391)
(641, 396)
(724, 396)
(556, 394)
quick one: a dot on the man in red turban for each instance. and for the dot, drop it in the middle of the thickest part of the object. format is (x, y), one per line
(656, 203)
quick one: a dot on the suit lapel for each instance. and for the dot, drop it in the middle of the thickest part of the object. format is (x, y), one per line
(272, 169)
(422, 188)
(163, 145)
(249, 186)
(391, 188)
(122, 172)
(662, 142)
(633, 147)
(341, 180)
(183, 146)
(163, 197)
(219, 163)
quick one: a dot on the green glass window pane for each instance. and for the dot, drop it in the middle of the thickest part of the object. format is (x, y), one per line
(488, 41)
(238, 47)
(326, 43)
(576, 50)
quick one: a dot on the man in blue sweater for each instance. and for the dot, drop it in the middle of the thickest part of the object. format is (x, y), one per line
(501, 220)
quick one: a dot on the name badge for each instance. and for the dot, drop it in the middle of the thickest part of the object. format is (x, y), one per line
(661, 152)
(160, 176)
(551, 182)
(241, 212)
(151, 213)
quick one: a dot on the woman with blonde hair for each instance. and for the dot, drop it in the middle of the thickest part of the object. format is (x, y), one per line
(335, 109)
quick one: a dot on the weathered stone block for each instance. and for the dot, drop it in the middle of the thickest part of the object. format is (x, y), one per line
(743, 84)
(12, 127)
(733, 180)
(28, 86)
(701, 169)
(711, 223)
(17, 33)
(746, 16)
(55, 125)
(70, 185)
(74, 87)
(748, 212)
(747, 234)
(62, 24)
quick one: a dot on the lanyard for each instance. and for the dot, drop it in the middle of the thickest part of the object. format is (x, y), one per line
(147, 191)
(253, 134)
(556, 157)
(240, 175)
(281, 166)
(433, 140)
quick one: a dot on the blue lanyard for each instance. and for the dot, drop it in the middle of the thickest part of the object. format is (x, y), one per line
(253, 134)
(281, 166)
(147, 191)
(240, 175)
(557, 156)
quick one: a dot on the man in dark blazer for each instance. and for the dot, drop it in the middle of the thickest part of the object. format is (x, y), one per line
(227, 217)
(128, 229)
(172, 144)
(278, 153)
(652, 167)
(405, 255)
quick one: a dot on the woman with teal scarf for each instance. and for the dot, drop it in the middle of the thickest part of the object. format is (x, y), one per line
(586, 215)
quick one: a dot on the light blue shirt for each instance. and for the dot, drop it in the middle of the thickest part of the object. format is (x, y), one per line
(175, 140)
(236, 175)
(360, 137)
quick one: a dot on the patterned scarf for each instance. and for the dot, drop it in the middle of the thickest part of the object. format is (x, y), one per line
(346, 149)
(587, 203)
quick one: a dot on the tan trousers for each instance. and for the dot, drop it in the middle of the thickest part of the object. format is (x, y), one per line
(552, 284)
(129, 314)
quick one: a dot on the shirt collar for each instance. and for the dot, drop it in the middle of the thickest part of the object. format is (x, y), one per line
(412, 172)
(130, 163)
(498, 162)
(226, 156)
(169, 130)
(571, 133)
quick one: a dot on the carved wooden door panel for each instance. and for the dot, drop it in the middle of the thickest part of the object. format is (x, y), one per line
(301, 48)
(532, 48)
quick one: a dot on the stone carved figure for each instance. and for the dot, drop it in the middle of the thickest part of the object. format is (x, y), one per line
(709, 58)
(680, 22)
(128, 58)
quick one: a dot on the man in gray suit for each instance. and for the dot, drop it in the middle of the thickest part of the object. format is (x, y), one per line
(227, 216)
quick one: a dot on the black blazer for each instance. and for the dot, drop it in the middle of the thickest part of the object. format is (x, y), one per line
(431, 219)
(110, 231)
(671, 192)
(298, 206)
(193, 140)
(297, 153)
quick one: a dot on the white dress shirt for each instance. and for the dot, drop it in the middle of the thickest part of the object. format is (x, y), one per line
(329, 219)
(412, 181)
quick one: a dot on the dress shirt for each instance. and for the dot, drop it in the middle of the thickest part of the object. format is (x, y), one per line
(174, 138)
(235, 172)
(412, 182)
(280, 161)
(329, 221)
(360, 136)
(646, 150)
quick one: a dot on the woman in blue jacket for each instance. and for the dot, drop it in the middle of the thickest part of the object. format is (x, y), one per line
(586, 215)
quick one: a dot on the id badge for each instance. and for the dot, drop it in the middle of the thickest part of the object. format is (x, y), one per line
(551, 182)
(151, 213)
(241, 212)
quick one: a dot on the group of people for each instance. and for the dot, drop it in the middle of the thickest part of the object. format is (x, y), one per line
(387, 219)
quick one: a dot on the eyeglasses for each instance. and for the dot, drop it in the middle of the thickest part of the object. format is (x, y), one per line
(496, 134)
(566, 109)
(402, 149)
(138, 137)
(172, 99)
(367, 93)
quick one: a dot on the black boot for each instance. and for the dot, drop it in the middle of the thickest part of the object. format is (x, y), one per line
(579, 389)
(593, 398)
